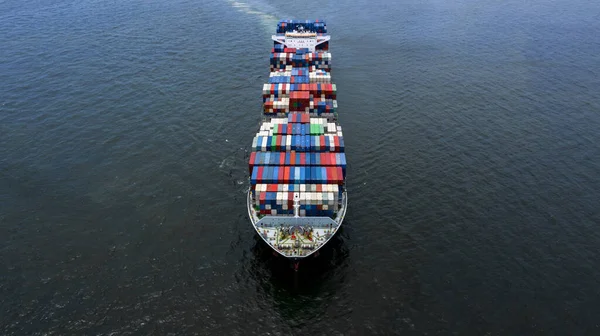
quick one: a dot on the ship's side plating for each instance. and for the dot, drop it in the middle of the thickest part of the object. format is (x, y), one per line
(297, 199)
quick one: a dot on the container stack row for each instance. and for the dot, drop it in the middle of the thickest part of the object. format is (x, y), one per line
(315, 199)
(297, 174)
(322, 90)
(300, 59)
(300, 143)
(302, 159)
(282, 203)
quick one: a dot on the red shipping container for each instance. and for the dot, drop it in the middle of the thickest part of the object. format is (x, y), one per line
(262, 198)
(286, 176)
(302, 159)
(319, 188)
(332, 175)
(293, 158)
(259, 174)
(305, 118)
(340, 174)
(282, 158)
(299, 95)
(336, 139)
(281, 175)
(325, 159)
(278, 143)
(251, 161)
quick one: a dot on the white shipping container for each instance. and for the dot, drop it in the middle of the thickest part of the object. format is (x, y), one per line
(274, 212)
(319, 198)
(302, 187)
(332, 128)
(268, 206)
(285, 187)
(302, 212)
(263, 145)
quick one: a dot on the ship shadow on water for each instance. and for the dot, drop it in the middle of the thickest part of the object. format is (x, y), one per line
(303, 295)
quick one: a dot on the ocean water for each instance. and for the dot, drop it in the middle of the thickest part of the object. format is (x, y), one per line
(472, 134)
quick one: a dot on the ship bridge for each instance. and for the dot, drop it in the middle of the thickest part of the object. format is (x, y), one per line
(301, 34)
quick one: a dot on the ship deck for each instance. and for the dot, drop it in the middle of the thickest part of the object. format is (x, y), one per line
(296, 237)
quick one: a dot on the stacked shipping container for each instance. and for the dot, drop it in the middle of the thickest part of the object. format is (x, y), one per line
(300, 149)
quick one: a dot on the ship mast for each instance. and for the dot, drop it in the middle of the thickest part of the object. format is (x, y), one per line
(296, 205)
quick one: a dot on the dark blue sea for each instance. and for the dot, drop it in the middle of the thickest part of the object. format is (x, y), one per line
(472, 131)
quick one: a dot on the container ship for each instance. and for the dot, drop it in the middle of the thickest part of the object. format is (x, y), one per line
(297, 198)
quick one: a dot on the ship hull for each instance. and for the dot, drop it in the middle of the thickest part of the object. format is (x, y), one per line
(254, 219)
